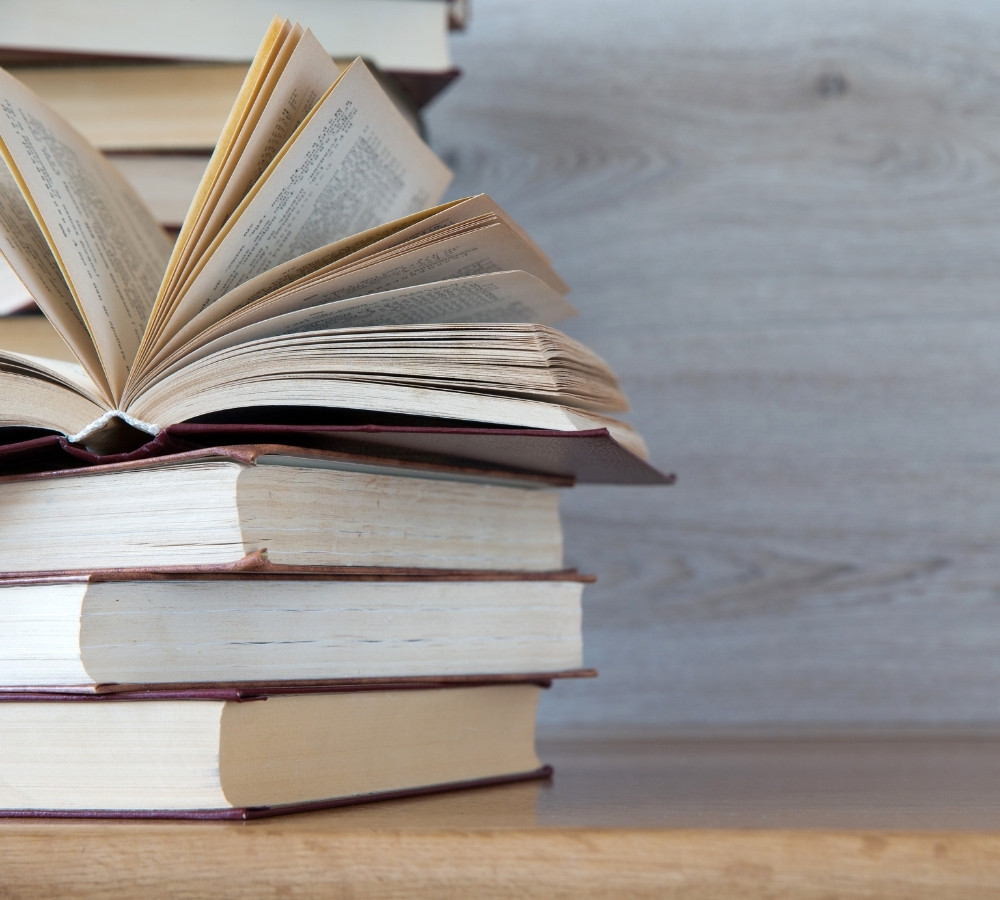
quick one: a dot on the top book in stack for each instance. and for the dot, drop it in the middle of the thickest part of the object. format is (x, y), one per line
(285, 288)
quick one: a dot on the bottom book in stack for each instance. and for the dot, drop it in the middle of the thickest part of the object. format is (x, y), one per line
(244, 754)
(235, 695)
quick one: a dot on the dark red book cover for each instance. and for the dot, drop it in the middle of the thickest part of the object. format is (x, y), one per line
(580, 456)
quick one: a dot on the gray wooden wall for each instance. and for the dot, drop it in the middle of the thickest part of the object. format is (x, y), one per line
(781, 220)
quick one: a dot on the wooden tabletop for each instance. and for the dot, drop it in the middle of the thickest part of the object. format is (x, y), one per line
(797, 818)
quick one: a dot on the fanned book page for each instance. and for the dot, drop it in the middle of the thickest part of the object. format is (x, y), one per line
(317, 272)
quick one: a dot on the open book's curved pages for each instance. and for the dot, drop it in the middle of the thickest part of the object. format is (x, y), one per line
(313, 273)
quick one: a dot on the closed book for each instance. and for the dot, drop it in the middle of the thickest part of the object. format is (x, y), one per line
(241, 754)
(252, 505)
(113, 630)
(401, 35)
(147, 112)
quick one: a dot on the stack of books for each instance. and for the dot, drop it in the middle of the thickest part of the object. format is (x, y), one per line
(288, 536)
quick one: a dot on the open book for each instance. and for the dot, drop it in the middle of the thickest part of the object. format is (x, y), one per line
(312, 272)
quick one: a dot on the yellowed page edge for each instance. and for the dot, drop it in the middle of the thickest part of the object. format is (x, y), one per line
(26, 250)
(295, 84)
(107, 244)
(497, 297)
(270, 213)
(251, 85)
(448, 253)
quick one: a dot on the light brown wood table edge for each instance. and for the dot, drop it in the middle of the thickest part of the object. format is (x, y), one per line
(222, 860)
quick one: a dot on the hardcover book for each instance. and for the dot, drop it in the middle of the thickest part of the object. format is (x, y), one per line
(248, 505)
(243, 754)
(101, 631)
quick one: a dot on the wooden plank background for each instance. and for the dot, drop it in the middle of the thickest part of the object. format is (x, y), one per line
(781, 221)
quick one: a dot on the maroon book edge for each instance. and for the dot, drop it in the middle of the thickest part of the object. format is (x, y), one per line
(592, 456)
(258, 567)
(262, 812)
(249, 691)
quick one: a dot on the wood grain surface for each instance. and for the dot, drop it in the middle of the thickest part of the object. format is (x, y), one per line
(781, 221)
(807, 819)
(661, 864)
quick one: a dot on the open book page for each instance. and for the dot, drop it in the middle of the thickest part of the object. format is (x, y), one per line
(24, 247)
(470, 213)
(301, 371)
(293, 88)
(46, 393)
(495, 297)
(511, 296)
(108, 245)
(484, 244)
(367, 243)
(322, 259)
(472, 248)
(58, 370)
(354, 163)
(66, 373)
(284, 90)
(177, 263)
(490, 358)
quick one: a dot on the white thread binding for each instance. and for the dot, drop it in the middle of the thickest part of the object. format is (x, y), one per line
(100, 423)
